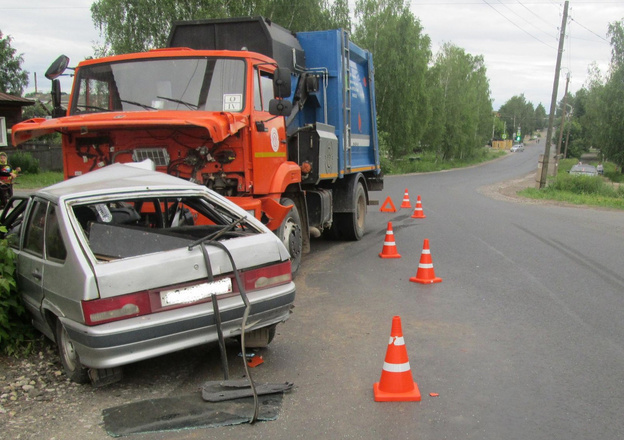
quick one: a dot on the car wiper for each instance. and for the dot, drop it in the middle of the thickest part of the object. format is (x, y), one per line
(138, 104)
(92, 107)
(179, 101)
(215, 235)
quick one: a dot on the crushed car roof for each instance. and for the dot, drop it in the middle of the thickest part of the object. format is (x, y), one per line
(116, 178)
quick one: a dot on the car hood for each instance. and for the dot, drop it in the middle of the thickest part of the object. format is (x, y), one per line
(220, 125)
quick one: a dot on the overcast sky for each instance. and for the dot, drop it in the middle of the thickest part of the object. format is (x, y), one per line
(517, 38)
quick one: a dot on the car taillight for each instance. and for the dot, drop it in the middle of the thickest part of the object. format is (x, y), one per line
(100, 311)
(266, 277)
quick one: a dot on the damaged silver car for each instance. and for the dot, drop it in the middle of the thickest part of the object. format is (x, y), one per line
(124, 264)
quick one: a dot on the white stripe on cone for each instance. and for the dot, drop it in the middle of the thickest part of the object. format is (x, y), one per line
(396, 368)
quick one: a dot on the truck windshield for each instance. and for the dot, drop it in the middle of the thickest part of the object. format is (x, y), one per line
(209, 84)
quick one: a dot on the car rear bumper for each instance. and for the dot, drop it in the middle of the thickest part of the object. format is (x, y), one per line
(131, 340)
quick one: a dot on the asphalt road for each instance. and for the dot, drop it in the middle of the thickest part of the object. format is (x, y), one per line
(521, 340)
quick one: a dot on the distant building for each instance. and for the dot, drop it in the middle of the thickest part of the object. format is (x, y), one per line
(10, 114)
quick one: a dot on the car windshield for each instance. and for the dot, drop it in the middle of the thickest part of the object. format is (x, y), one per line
(211, 84)
(129, 227)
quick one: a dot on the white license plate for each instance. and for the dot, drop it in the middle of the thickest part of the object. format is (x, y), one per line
(190, 294)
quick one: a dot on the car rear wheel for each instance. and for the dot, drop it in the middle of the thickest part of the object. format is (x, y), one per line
(69, 357)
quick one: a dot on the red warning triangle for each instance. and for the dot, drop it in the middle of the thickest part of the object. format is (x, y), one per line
(386, 208)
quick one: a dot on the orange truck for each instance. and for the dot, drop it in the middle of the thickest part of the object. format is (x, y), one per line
(281, 123)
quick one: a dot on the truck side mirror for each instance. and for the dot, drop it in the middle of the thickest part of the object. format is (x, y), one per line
(280, 107)
(281, 83)
(57, 68)
(57, 110)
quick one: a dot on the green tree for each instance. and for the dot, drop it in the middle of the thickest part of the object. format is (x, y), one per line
(140, 25)
(461, 119)
(603, 103)
(540, 117)
(518, 113)
(613, 99)
(401, 52)
(498, 127)
(13, 79)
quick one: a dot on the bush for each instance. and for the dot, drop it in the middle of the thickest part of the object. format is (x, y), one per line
(16, 333)
(580, 184)
(25, 161)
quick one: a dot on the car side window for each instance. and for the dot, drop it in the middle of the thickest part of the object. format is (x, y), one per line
(55, 247)
(33, 241)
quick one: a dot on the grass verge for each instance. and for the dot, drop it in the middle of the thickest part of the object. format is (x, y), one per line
(39, 180)
(580, 190)
(428, 162)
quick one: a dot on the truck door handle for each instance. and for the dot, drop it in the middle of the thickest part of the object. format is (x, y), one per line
(37, 275)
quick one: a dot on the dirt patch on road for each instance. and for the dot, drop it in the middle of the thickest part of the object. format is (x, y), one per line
(508, 190)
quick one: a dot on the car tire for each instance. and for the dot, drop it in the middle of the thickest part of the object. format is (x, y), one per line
(290, 232)
(69, 357)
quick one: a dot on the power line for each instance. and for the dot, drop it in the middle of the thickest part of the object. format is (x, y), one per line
(513, 23)
(539, 17)
(589, 30)
(527, 21)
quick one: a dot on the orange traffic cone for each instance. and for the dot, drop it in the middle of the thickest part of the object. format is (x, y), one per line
(418, 211)
(389, 249)
(406, 201)
(386, 208)
(396, 383)
(425, 273)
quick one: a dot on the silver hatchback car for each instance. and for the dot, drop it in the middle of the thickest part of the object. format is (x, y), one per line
(125, 264)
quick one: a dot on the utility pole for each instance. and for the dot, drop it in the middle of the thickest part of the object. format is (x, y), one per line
(563, 115)
(553, 102)
(565, 153)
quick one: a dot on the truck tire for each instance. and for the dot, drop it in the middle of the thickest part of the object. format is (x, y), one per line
(290, 234)
(351, 224)
(69, 357)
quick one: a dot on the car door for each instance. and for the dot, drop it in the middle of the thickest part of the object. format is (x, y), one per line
(30, 261)
(41, 264)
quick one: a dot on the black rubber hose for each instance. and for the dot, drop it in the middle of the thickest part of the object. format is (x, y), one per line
(245, 299)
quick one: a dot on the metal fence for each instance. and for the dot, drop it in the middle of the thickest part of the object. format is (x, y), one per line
(50, 157)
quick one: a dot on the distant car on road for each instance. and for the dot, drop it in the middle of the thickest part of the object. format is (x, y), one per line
(517, 147)
(124, 264)
(583, 169)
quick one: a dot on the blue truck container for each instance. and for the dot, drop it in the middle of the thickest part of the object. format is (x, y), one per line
(345, 98)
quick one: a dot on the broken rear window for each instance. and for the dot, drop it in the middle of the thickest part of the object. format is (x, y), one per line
(136, 226)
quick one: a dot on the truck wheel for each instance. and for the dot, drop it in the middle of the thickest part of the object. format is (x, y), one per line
(290, 234)
(351, 224)
(69, 357)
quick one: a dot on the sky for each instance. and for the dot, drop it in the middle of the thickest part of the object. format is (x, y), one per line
(518, 39)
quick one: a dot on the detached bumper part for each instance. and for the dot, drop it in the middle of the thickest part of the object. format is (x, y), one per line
(218, 391)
